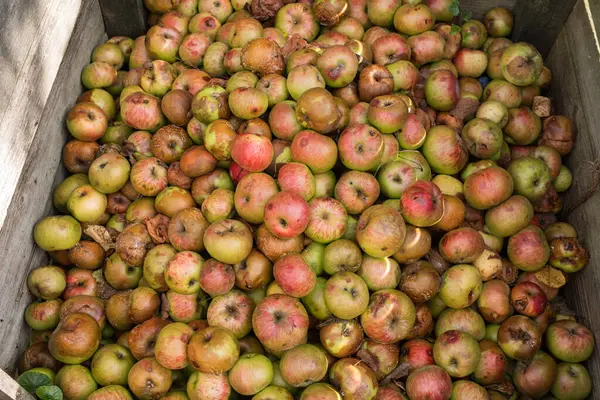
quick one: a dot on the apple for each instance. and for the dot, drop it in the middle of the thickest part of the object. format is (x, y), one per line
(519, 337)
(353, 378)
(457, 352)
(315, 300)
(252, 152)
(293, 274)
(111, 364)
(280, 322)
(76, 381)
(488, 187)
(251, 195)
(86, 203)
(346, 295)
(535, 377)
(228, 241)
(572, 382)
(569, 341)
(380, 231)
(297, 178)
(75, 339)
(327, 220)
(213, 350)
(422, 204)
(461, 286)
(286, 215)
(429, 382)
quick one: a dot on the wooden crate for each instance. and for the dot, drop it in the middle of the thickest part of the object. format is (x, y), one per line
(44, 44)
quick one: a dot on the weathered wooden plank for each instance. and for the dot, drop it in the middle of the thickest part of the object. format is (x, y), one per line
(124, 17)
(575, 64)
(10, 389)
(34, 39)
(539, 21)
(478, 8)
(33, 191)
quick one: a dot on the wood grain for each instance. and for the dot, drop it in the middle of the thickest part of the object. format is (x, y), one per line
(34, 39)
(540, 21)
(31, 200)
(479, 8)
(124, 17)
(575, 63)
(10, 389)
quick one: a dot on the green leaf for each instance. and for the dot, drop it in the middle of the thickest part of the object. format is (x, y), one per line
(454, 29)
(31, 380)
(454, 7)
(468, 16)
(52, 392)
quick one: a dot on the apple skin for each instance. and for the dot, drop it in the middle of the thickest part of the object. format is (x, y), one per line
(228, 241)
(488, 187)
(573, 382)
(509, 217)
(444, 151)
(465, 320)
(47, 282)
(492, 365)
(357, 191)
(76, 382)
(422, 204)
(521, 64)
(315, 301)
(252, 193)
(528, 249)
(252, 152)
(327, 220)
(353, 378)
(463, 276)
(212, 349)
(149, 369)
(182, 272)
(569, 341)
(346, 295)
(111, 364)
(429, 382)
(57, 233)
(75, 339)
(318, 152)
(379, 273)
(519, 337)
(280, 322)
(380, 231)
(87, 204)
(457, 352)
(208, 386)
(535, 378)
(531, 177)
(286, 215)
(232, 311)
(251, 374)
(393, 325)
(294, 275)
(442, 90)
(297, 178)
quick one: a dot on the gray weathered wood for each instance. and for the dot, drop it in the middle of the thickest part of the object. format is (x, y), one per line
(37, 71)
(34, 38)
(575, 64)
(478, 8)
(124, 17)
(39, 143)
(539, 21)
(10, 389)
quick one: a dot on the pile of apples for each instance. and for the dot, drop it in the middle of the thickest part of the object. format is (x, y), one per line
(340, 199)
